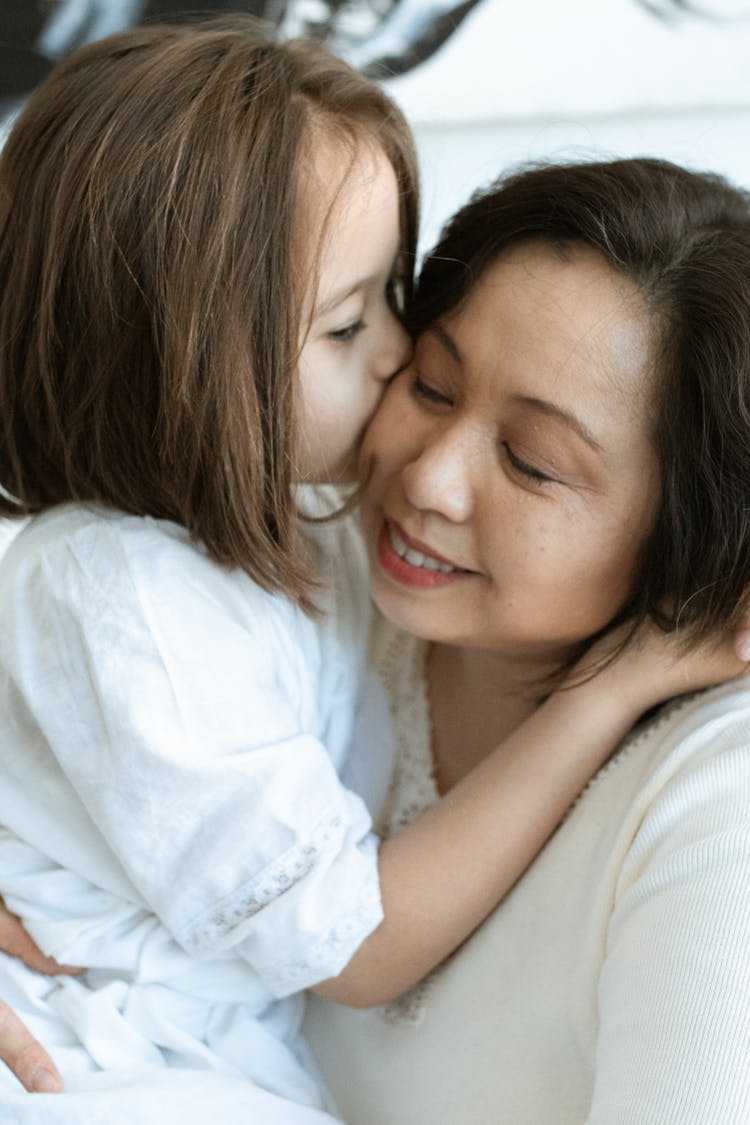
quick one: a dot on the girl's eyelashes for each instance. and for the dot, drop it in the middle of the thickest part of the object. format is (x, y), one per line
(394, 298)
(524, 468)
(346, 334)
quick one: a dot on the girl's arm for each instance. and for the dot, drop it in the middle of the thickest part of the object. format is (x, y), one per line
(444, 873)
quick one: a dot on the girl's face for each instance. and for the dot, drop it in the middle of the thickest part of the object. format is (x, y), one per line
(514, 481)
(353, 342)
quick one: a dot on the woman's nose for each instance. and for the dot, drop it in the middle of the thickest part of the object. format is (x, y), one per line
(440, 477)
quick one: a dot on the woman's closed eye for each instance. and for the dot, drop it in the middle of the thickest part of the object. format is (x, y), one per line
(346, 334)
(429, 394)
(523, 467)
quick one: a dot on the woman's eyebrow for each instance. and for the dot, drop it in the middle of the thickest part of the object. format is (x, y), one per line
(448, 342)
(540, 405)
(567, 417)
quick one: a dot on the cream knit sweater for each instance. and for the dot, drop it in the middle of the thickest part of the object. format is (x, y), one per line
(612, 986)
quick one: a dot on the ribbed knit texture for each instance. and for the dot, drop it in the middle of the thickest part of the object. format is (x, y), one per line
(612, 986)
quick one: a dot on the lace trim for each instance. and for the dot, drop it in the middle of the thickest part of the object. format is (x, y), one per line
(334, 950)
(413, 788)
(275, 880)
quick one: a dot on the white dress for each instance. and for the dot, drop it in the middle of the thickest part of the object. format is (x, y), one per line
(612, 986)
(171, 740)
(9, 528)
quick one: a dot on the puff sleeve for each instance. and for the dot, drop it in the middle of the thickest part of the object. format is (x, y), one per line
(181, 705)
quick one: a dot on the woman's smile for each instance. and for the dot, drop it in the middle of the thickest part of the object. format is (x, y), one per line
(411, 562)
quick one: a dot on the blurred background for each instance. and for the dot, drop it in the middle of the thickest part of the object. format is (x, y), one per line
(485, 83)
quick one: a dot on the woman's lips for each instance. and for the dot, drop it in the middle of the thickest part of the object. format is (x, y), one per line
(412, 563)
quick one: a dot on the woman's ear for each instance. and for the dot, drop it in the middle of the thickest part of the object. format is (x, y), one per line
(742, 641)
(742, 631)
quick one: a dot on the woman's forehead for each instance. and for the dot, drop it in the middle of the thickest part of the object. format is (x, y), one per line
(573, 308)
(558, 335)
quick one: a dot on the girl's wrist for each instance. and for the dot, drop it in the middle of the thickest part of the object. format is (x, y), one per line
(612, 695)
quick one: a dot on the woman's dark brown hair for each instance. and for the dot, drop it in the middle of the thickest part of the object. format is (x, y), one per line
(683, 239)
(149, 281)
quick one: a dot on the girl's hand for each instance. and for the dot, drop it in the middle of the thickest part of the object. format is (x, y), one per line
(19, 1050)
(16, 943)
(655, 666)
(26, 1057)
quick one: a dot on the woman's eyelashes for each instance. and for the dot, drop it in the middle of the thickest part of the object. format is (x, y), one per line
(430, 396)
(427, 393)
(526, 470)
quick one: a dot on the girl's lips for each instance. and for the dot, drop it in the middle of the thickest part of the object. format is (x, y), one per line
(413, 573)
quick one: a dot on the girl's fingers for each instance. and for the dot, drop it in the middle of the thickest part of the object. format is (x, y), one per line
(25, 1056)
(16, 943)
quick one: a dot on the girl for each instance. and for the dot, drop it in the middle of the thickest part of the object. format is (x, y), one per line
(200, 248)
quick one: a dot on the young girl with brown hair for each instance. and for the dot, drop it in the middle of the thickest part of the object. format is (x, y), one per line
(202, 237)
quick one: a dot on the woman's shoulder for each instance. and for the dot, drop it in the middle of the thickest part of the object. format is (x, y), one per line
(680, 780)
(689, 732)
(691, 766)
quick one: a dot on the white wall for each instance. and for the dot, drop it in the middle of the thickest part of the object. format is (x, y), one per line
(456, 159)
(529, 79)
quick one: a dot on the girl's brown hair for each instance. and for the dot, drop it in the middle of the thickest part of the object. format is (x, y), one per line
(683, 239)
(149, 286)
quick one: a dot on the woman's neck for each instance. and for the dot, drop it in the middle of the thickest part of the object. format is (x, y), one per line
(477, 697)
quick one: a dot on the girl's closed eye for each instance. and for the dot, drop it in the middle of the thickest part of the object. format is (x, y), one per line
(346, 334)
(526, 470)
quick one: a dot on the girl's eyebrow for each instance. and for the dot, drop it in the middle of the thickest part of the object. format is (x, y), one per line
(339, 296)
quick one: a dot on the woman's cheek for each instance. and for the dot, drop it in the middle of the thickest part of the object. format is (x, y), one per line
(382, 425)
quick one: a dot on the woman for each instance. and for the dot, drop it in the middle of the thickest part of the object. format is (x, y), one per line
(568, 454)
(572, 439)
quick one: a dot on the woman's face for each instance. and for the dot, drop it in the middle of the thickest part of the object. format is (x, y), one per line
(513, 478)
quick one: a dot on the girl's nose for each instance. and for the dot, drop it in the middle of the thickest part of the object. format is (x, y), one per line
(439, 478)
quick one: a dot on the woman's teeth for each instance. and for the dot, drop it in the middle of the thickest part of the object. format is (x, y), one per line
(416, 558)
